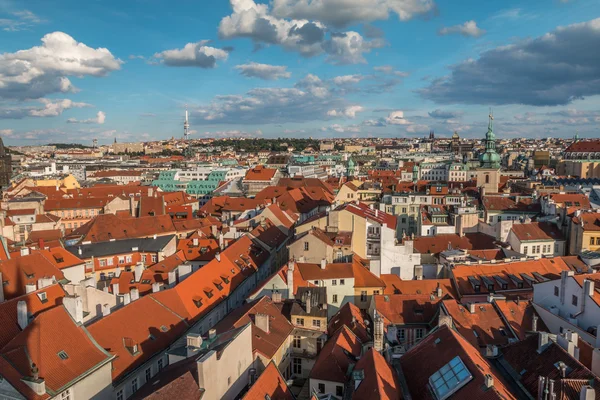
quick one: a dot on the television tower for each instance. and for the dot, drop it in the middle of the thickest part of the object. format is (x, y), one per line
(186, 126)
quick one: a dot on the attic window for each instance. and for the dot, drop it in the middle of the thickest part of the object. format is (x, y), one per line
(198, 302)
(145, 281)
(43, 297)
(163, 328)
(62, 355)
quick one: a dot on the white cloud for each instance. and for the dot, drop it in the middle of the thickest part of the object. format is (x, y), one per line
(41, 70)
(309, 38)
(19, 20)
(468, 28)
(234, 133)
(346, 12)
(416, 128)
(50, 108)
(100, 118)
(6, 132)
(341, 128)
(347, 79)
(193, 55)
(349, 112)
(396, 118)
(264, 71)
(388, 69)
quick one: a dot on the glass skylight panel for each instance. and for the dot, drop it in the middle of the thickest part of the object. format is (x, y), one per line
(449, 378)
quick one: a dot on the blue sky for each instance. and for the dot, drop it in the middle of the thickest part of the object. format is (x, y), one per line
(74, 71)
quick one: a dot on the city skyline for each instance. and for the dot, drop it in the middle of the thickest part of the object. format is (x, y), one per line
(345, 68)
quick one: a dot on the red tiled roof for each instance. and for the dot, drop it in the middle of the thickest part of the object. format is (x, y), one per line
(265, 343)
(536, 231)
(205, 250)
(439, 348)
(350, 316)
(380, 380)
(591, 221)
(499, 203)
(584, 146)
(61, 258)
(260, 173)
(105, 227)
(519, 315)
(22, 270)
(363, 210)
(336, 356)
(592, 277)
(75, 204)
(400, 309)
(572, 198)
(439, 243)
(270, 383)
(41, 342)
(395, 285)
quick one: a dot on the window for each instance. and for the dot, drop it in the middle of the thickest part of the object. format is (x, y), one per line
(335, 299)
(66, 395)
(63, 355)
(121, 260)
(154, 258)
(128, 259)
(556, 248)
(401, 334)
(556, 291)
(592, 241)
(342, 281)
(449, 378)
(103, 263)
(419, 333)
(297, 366)
(363, 295)
(321, 388)
(300, 321)
(334, 282)
(375, 292)
(574, 300)
(296, 342)
(339, 391)
(120, 395)
(109, 261)
(316, 323)
(305, 246)
(148, 374)
(144, 258)
(160, 365)
(134, 385)
(487, 179)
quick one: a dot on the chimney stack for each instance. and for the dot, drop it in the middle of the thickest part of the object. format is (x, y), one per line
(195, 241)
(115, 289)
(134, 293)
(323, 263)
(172, 278)
(155, 287)
(218, 256)
(262, 322)
(22, 315)
(74, 305)
(221, 241)
(308, 302)
(438, 291)
(472, 308)
(290, 279)
(587, 393)
(542, 341)
(126, 299)
(276, 297)
(137, 272)
(489, 381)
(105, 310)
(212, 333)
(117, 272)
(534, 320)
(25, 251)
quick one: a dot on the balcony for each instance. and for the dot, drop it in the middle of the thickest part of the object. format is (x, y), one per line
(303, 353)
(374, 235)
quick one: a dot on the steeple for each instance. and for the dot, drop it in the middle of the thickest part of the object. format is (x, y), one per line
(490, 159)
(576, 138)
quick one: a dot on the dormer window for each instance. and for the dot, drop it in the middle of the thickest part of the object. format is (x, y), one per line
(63, 355)
(42, 296)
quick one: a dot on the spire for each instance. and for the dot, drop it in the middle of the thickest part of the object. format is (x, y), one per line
(491, 123)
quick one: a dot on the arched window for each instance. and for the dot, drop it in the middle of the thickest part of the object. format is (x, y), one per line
(487, 179)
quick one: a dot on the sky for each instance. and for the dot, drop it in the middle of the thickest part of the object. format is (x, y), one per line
(73, 71)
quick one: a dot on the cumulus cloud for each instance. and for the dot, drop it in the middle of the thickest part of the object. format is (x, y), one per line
(264, 71)
(99, 119)
(341, 13)
(468, 28)
(50, 108)
(309, 99)
(41, 70)
(396, 118)
(347, 79)
(349, 112)
(193, 55)
(374, 122)
(553, 69)
(444, 114)
(309, 38)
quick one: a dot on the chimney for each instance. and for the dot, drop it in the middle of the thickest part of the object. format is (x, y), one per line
(22, 315)
(290, 279)
(134, 293)
(276, 297)
(262, 322)
(74, 305)
(323, 263)
(30, 287)
(195, 242)
(221, 241)
(172, 278)
(155, 287)
(378, 333)
(117, 272)
(212, 333)
(213, 230)
(105, 310)
(588, 288)
(534, 320)
(218, 256)
(115, 289)
(472, 308)
(542, 341)
(194, 340)
(24, 251)
(1, 289)
(438, 291)
(41, 244)
(126, 299)
(308, 302)
(489, 381)
(445, 320)
(35, 383)
(587, 393)
(563, 369)
(137, 272)
(45, 282)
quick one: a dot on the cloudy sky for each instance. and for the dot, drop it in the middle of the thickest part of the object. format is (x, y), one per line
(74, 71)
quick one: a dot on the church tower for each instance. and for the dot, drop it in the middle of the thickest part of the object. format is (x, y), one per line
(488, 175)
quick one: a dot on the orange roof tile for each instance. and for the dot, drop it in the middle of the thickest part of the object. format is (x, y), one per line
(380, 380)
(536, 231)
(22, 270)
(350, 316)
(336, 356)
(400, 309)
(395, 285)
(270, 383)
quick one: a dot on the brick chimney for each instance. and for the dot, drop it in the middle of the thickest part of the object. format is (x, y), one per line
(74, 305)
(262, 322)
(22, 316)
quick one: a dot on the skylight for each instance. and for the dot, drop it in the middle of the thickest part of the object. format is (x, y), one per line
(449, 378)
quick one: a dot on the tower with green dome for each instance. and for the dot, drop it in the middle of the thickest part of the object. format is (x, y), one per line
(490, 159)
(351, 168)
